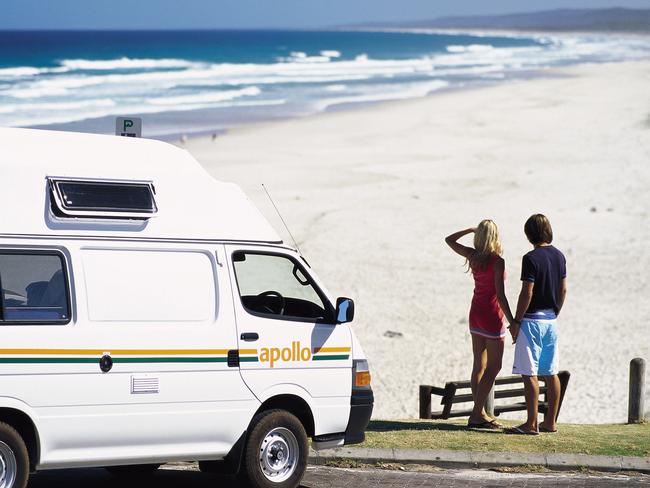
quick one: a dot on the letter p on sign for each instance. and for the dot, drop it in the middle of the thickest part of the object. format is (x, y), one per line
(128, 126)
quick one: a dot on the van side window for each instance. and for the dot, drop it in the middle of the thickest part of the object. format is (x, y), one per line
(34, 288)
(278, 287)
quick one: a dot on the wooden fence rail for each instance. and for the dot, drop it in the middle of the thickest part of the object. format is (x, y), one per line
(451, 395)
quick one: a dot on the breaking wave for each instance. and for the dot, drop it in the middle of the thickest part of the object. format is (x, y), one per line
(72, 89)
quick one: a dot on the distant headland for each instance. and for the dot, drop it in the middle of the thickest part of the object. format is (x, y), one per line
(570, 20)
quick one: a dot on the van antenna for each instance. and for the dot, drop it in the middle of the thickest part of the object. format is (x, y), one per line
(283, 222)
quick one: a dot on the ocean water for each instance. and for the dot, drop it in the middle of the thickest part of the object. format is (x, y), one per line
(184, 82)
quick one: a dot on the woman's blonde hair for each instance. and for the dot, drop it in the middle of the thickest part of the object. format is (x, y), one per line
(486, 244)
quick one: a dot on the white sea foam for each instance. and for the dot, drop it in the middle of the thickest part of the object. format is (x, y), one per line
(301, 57)
(34, 92)
(73, 105)
(125, 63)
(27, 118)
(226, 74)
(255, 103)
(471, 48)
(28, 71)
(206, 97)
(331, 53)
(416, 90)
(20, 71)
(323, 56)
(336, 88)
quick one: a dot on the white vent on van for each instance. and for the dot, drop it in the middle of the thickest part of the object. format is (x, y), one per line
(144, 384)
(92, 198)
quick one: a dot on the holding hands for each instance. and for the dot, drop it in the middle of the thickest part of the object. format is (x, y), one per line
(514, 329)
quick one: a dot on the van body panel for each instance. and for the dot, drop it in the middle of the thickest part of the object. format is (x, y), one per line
(140, 433)
(191, 204)
(170, 388)
(138, 280)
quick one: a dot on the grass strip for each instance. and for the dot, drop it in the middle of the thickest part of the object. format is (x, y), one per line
(600, 439)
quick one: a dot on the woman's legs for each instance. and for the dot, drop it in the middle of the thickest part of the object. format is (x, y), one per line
(479, 365)
(494, 353)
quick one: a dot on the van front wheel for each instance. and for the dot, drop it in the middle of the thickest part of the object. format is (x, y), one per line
(276, 451)
(14, 460)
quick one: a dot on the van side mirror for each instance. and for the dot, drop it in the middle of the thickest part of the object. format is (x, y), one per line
(344, 310)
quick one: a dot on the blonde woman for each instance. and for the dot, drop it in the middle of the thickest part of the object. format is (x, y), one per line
(486, 315)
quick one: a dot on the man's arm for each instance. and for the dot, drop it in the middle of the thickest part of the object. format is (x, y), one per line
(525, 296)
(562, 296)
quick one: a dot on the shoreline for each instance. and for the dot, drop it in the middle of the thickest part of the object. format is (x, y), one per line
(533, 75)
(370, 194)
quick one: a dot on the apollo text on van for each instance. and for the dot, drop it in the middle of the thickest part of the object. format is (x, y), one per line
(150, 314)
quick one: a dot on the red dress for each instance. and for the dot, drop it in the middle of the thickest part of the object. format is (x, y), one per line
(485, 315)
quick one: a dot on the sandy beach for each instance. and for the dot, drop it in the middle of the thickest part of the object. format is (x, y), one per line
(370, 194)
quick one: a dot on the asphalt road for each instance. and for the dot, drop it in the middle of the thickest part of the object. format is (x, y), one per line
(325, 477)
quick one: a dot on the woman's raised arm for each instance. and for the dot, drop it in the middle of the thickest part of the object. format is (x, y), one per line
(452, 239)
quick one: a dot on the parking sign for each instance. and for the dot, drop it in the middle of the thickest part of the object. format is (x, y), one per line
(128, 126)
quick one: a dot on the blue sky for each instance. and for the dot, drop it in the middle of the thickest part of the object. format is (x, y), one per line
(210, 14)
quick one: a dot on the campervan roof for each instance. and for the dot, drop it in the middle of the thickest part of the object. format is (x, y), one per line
(72, 184)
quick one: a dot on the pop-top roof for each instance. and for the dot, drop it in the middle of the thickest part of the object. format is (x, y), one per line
(189, 203)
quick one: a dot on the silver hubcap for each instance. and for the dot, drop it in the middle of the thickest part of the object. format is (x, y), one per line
(278, 455)
(8, 466)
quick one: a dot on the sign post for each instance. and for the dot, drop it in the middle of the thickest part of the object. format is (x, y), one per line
(128, 126)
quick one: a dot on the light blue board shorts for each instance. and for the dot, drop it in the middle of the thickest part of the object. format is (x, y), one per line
(536, 350)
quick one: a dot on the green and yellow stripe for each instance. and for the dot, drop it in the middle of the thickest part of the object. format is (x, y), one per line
(91, 356)
(330, 353)
(248, 356)
(81, 356)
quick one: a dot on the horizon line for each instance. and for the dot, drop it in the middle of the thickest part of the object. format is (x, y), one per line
(349, 25)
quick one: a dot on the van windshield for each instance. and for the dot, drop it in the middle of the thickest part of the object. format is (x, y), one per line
(277, 286)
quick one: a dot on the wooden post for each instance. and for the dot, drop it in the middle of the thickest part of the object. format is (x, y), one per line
(425, 402)
(635, 410)
(564, 377)
(489, 403)
(447, 398)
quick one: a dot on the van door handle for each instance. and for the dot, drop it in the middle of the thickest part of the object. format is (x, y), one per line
(249, 336)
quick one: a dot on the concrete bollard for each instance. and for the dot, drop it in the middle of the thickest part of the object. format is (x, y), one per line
(637, 391)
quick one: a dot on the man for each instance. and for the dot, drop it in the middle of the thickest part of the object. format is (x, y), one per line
(534, 330)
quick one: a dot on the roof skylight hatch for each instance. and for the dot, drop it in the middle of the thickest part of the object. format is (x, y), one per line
(112, 199)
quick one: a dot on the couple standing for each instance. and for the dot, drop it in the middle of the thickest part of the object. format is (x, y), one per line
(533, 327)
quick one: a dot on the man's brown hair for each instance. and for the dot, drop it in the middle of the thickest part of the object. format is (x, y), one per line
(538, 230)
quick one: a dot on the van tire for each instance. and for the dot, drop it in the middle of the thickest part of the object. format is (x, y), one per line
(275, 431)
(133, 470)
(14, 453)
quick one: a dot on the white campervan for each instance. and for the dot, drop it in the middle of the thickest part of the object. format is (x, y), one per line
(149, 314)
